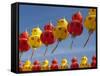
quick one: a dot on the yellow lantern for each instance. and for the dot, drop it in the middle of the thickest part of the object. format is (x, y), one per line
(92, 11)
(62, 22)
(36, 31)
(90, 23)
(27, 66)
(45, 65)
(64, 64)
(34, 41)
(84, 62)
(60, 31)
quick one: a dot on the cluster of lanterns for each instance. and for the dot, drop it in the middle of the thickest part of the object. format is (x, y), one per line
(45, 65)
(52, 34)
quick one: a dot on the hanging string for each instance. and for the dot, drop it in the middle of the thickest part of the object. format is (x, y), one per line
(72, 43)
(32, 55)
(46, 50)
(62, 45)
(20, 55)
(87, 39)
(55, 47)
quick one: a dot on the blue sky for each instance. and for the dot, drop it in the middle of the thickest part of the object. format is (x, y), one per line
(31, 16)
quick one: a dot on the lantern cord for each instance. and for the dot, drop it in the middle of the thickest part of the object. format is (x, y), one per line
(55, 47)
(72, 43)
(63, 46)
(20, 55)
(87, 39)
(32, 55)
(46, 50)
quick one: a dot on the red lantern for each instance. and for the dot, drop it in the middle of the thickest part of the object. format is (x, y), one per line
(74, 64)
(54, 65)
(77, 16)
(47, 37)
(75, 28)
(94, 62)
(55, 61)
(94, 57)
(36, 62)
(36, 66)
(48, 26)
(23, 43)
(24, 35)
